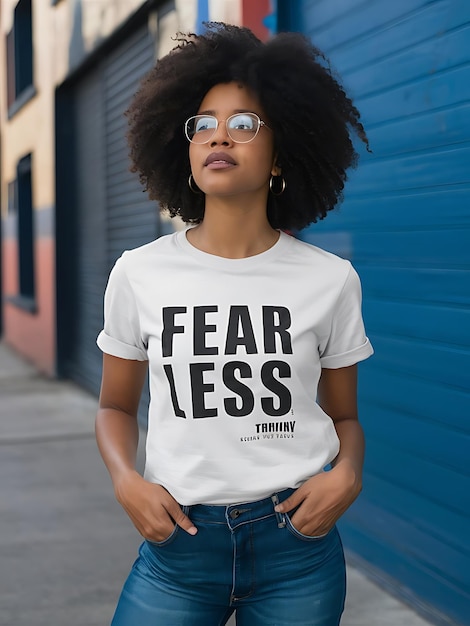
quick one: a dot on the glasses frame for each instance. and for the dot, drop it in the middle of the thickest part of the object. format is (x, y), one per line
(201, 143)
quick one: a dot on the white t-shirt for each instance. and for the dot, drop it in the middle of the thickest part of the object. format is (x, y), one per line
(235, 350)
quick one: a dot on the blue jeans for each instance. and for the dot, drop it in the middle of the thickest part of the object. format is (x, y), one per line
(244, 558)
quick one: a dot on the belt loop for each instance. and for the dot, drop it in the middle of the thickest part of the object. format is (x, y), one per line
(281, 518)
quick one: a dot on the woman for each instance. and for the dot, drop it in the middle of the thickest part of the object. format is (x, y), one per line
(250, 336)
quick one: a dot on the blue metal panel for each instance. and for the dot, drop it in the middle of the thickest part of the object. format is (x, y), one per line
(416, 398)
(442, 91)
(405, 224)
(202, 15)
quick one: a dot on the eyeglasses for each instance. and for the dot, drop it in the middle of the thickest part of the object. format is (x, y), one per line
(241, 127)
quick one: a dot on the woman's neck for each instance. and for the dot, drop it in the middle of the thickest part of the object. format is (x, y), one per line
(233, 230)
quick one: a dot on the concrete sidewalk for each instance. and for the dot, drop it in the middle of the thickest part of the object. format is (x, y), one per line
(66, 546)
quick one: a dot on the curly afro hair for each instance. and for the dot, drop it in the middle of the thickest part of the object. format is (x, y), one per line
(311, 116)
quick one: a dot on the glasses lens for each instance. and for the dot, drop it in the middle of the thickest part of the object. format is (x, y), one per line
(200, 128)
(243, 127)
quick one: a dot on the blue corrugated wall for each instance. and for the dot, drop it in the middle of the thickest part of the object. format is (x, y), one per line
(405, 225)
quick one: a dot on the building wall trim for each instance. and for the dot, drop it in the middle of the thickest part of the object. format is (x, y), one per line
(25, 96)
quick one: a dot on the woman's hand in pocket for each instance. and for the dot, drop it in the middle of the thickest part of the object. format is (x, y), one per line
(152, 509)
(322, 500)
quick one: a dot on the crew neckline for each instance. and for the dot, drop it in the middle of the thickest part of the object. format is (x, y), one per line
(245, 263)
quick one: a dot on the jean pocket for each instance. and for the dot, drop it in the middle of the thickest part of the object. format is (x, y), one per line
(165, 542)
(293, 530)
(172, 536)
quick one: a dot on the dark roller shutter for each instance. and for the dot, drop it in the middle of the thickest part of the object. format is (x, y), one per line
(112, 212)
(131, 219)
(84, 362)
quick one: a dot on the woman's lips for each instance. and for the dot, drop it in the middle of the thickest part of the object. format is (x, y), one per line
(219, 161)
(219, 165)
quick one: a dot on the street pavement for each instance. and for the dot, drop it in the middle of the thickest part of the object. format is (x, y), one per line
(66, 546)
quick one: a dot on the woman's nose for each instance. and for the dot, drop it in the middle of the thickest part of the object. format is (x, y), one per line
(221, 135)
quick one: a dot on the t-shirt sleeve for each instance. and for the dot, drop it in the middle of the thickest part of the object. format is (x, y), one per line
(121, 335)
(347, 343)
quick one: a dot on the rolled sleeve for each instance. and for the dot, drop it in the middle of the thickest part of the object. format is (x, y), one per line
(347, 343)
(122, 333)
(348, 358)
(111, 345)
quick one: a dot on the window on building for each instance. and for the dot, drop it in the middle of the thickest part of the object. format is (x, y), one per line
(24, 202)
(19, 43)
(12, 203)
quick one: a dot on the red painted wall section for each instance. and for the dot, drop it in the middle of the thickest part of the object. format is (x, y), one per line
(31, 334)
(253, 13)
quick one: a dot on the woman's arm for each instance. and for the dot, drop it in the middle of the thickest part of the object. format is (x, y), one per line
(151, 508)
(117, 431)
(337, 396)
(326, 496)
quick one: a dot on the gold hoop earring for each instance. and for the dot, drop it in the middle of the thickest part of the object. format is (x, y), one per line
(194, 189)
(283, 185)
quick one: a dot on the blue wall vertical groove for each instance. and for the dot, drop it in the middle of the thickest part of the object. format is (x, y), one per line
(405, 225)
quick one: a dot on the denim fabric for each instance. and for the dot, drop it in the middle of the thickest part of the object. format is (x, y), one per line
(244, 557)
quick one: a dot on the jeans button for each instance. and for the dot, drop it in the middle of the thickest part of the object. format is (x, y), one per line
(235, 513)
